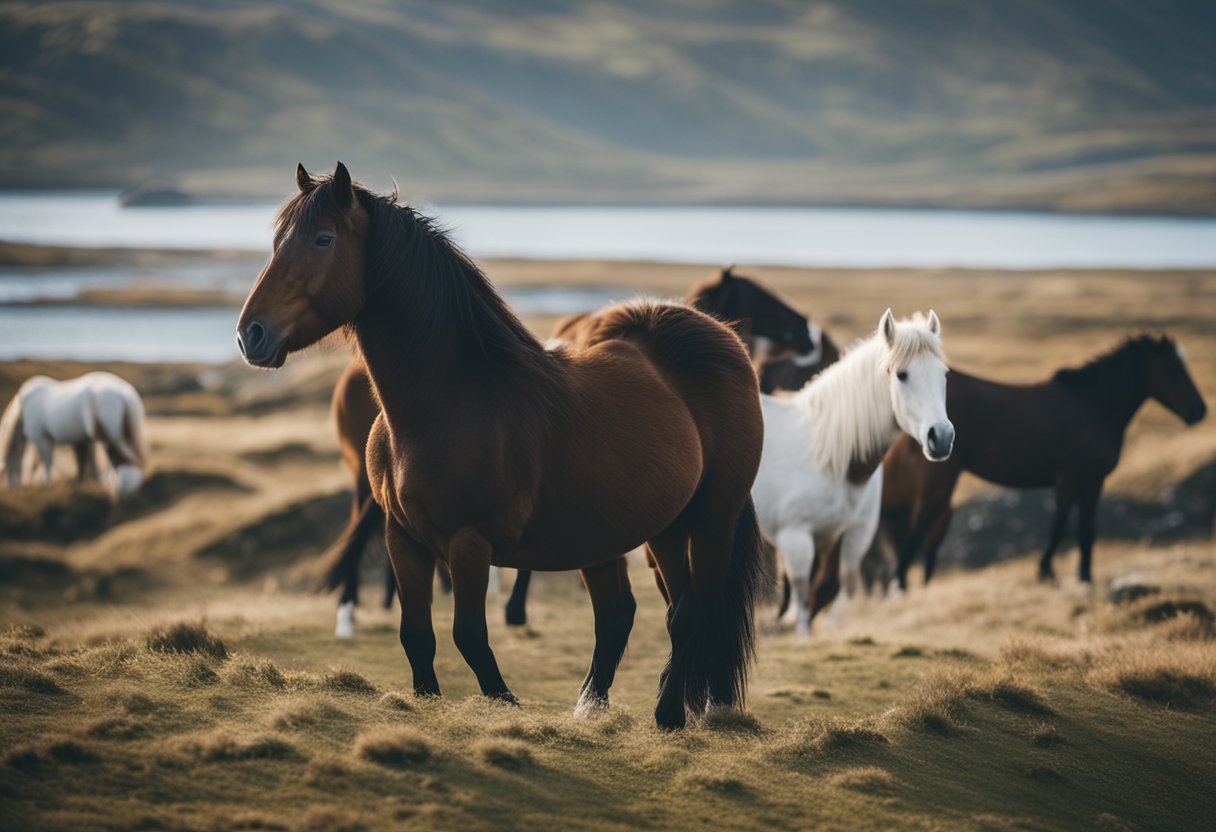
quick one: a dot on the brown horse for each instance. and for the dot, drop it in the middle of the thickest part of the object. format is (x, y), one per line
(492, 449)
(771, 330)
(767, 325)
(1066, 432)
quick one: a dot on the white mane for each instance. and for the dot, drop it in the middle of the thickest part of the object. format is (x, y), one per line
(849, 403)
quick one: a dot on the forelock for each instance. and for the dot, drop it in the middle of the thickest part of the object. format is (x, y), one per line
(912, 339)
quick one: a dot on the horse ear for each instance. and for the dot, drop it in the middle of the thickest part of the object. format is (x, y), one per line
(343, 190)
(727, 273)
(886, 325)
(303, 180)
(935, 326)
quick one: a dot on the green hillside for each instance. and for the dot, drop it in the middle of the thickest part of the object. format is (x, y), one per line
(1070, 104)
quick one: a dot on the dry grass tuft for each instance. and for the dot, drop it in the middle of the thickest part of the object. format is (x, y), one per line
(1010, 695)
(117, 728)
(908, 651)
(295, 716)
(732, 721)
(23, 632)
(720, 782)
(186, 638)
(324, 771)
(397, 702)
(865, 779)
(344, 680)
(503, 753)
(50, 749)
(244, 672)
(395, 747)
(221, 747)
(14, 675)
(829, 736)
(1176, 679)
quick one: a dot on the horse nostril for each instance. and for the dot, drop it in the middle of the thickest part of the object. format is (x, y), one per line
(255, 334)
(932, 437)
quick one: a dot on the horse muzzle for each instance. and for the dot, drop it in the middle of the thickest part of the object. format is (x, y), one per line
(260, 346)
(1197, 413)
(939, 442)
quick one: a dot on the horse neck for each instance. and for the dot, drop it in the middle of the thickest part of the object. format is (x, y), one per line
(849, 407)
(1116, 387)
(434, 341)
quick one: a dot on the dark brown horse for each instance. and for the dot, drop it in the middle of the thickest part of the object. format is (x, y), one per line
(1066, 432)
(791, 373)
(492, 449)
(771, 330)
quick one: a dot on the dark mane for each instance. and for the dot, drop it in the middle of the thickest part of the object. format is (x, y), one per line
(410, 258)
(1118, 360)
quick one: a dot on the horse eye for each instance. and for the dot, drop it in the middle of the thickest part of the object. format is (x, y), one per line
(323, 241)
(902, 375)
(789, 336)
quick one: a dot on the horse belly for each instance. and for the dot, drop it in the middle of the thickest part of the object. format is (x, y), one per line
(622, 486)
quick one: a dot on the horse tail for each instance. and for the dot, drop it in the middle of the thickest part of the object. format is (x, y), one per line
(134, 432)
(12, 441)
(341, 561)
(729, 642)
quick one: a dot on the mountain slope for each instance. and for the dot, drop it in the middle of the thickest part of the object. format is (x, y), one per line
(1079, 104)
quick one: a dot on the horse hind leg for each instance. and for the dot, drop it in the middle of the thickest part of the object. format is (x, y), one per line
(614, 606)
(46, 454)
(668, 556)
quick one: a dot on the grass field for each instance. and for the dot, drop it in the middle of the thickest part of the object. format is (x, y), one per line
(163, 665)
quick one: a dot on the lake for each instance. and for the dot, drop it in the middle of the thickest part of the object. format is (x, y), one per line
(827, 237)
(830, 237)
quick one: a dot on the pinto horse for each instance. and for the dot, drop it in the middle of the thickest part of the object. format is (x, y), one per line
(1066, 432)
(96, 408)
(492, 449)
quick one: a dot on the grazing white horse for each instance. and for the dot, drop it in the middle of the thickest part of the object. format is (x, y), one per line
(96, 407)
(820, 478)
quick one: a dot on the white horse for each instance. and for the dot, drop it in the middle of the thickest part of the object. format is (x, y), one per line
(820, 479)
(96, 407)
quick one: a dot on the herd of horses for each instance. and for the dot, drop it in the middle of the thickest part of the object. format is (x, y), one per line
(706, 431)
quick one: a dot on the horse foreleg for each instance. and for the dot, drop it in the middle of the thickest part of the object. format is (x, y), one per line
(1087, 509)
(934, 542)
(1065, 495)
(469, 563)
(796, 547)
(415, 571)
(614, 606)
(46, 454)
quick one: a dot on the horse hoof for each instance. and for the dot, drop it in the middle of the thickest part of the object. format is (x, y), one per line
(670, 719)
(346, 621)
(589, 705)
(505, 696)
(517, 617)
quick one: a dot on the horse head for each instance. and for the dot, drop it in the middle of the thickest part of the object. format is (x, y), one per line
(314, 282)
(916, 370)
(1169, 381)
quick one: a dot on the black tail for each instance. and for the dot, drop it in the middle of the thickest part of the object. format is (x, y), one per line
(713, 632)
(726, 631)
(342, 559)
